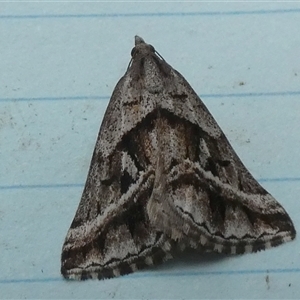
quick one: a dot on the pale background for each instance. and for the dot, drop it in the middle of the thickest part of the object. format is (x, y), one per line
(59, 63)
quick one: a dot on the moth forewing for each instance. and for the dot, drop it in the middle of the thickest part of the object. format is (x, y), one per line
(164, 176)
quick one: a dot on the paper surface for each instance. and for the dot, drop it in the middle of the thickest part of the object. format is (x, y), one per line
(59, 65)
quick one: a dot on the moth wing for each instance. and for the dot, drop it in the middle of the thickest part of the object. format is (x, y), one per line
(121, 247)
(203, 193)
(111, 233)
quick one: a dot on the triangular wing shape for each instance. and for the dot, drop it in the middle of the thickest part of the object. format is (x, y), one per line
(164, 174)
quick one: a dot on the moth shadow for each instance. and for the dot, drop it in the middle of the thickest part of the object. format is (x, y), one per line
(191, 258)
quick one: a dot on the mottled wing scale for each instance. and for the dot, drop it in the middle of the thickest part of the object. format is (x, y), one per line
(164, 175)
(208, 196)
(111, 233)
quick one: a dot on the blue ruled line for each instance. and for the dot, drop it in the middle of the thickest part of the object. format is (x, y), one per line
(261, 94)
(40, 186)
(164, 274)
(106, 98)
(75, 98)
(80, 185)
(156, 14)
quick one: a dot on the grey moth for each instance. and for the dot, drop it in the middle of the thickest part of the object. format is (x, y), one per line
(163, 176)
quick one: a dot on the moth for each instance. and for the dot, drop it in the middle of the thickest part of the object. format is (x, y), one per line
(163, 176)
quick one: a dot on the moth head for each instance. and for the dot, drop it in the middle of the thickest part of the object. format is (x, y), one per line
(141, 48)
